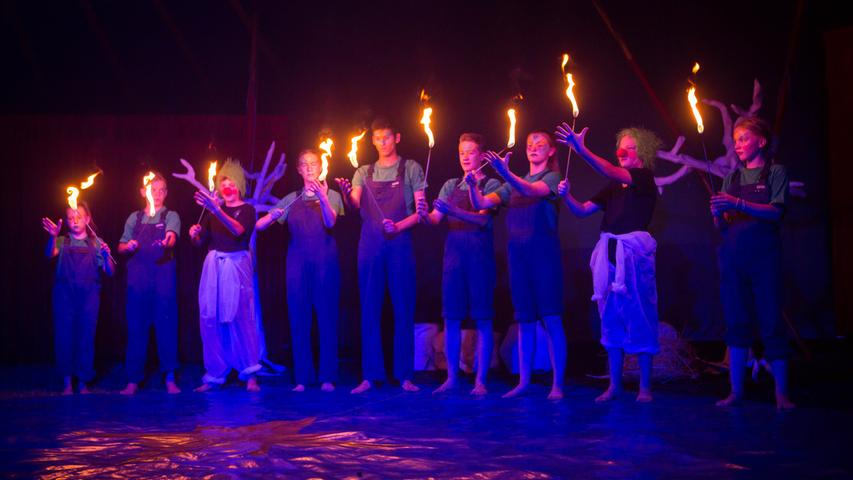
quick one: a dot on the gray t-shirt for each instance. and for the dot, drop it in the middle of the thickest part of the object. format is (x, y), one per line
(414, 179)
(777, 181)
(172, 220)
(335, 201)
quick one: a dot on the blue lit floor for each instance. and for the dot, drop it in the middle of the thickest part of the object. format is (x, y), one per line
(386, 433)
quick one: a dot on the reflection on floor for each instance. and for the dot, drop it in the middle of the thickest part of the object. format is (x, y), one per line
(387, 433)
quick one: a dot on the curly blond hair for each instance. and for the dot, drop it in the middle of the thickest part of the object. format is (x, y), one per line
(648, 144)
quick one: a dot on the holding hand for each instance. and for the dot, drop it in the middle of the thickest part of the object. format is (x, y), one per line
(207, 200)
(421, 208)
(344, 185)
(566, 136)
(131, 246)
(195, 231)
(722, 202)
(390, 226)
(276, 213)
(51, 228)
(471, 180)
(564, 188)
(442, 206)
(105, 250)
(501, 165)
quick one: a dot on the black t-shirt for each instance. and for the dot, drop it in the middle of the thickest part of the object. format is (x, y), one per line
(220, 238)
(628, 208)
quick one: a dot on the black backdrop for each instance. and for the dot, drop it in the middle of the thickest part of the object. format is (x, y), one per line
(136, 85)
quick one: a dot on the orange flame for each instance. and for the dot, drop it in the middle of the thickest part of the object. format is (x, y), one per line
(570, 93)
(326, 147)
(73, 193)
(353, 153)
(146, 182)
(211, 176)
(565, 62)
(693, 101)
(425, 121)
(511, 141)
(89, 181)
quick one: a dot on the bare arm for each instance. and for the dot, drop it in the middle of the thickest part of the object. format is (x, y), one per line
(579, 209)
(206, 200)
(350, 194)
(723, 202)
(264, 222)
(330, 217)
(53, 230)
(537, 189)
(577, 141)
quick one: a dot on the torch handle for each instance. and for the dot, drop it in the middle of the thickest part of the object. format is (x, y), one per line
(569, 156)
(426, 172)
(375, 202)
(110, 255)
(708, 180)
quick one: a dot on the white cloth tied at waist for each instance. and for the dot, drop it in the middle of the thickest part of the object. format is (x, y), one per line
(220, 284)
(630, 247)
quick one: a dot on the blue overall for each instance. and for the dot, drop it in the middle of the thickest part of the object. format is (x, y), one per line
(386, 261)
(469, 273)
(313, 280)
(76, 299)
(151, 299)
(535, 266)
(751, 276)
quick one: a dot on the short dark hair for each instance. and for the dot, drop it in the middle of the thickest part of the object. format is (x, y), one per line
(383, 123)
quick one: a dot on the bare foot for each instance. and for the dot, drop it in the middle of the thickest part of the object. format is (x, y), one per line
(783, 402)
(362, 387)
(556, 393)
(479, 389)
(408, 386)
(610, 394)
(130, 389)
(518, 390)
(448, 384)
(645, 396)
(732, 400)
(204, 387)
(172, 387)
(327, 387)
(298, 388)
(252, 385)
(68, 390)
(84, 390)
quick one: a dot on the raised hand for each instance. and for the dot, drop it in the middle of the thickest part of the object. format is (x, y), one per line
(501, 165)
(471, 180)
(317, 187)
(345, 186)
(207, 200)
(51, 228)
(566, 136)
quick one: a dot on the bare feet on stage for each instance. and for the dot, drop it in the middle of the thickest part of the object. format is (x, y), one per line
(520, 389)
(448, 384)
(172, 387)
(205, 387)
(362, 387)
(408, 386)
(479, 389)
(327, 387)
(252, 385)
(130, 389)
(783, 402)
(610, 394)
(645, 396)
(733, 400)
(298, 388)
(556, 393)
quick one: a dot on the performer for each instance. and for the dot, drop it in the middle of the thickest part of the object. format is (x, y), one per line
(468, 275)
(535, 266)
(313, 271)
(385, 255)
(623, 261)
(749, 210)
(149, 241)
(230, 334)
(76, 293)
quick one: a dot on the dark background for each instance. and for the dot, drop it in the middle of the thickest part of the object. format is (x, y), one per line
(129, 86)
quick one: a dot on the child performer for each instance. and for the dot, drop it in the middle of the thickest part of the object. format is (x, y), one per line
(749, 210)
(535, 267)
(151, 287)
(76, 293)
(468, 276)
(313, 271)
(384, 191)
(623, 261)
(230, 334)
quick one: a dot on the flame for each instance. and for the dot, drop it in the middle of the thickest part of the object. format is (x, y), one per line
(424, 97)
(146, 182)
(565, 62)
(695, 68)
(353, 153)
(211, 176)
(511, 141)
(571, 94)
(89, 181)
(326, 147)
(691, 97)
(425, 121)
(73, 193)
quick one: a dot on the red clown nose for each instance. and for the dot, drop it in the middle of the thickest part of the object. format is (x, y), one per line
(228, 191)
(621, 152)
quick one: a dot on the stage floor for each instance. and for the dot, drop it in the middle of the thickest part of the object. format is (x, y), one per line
(386, 433)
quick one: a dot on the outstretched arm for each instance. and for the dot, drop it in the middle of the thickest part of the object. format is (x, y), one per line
(577, 141)
(536, 189)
